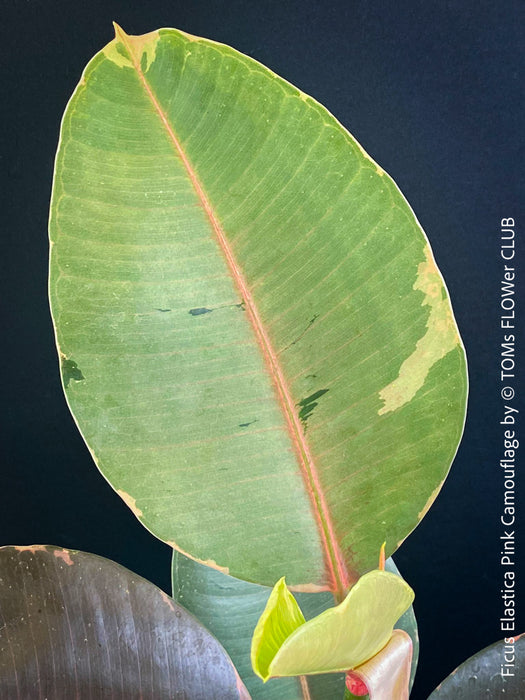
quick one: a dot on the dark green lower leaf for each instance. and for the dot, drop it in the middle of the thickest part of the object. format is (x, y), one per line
(496, 672)
(75, 625)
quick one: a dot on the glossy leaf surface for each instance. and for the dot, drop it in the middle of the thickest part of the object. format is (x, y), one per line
(481, 676)
(386, 675)
(255, 341)
(75, 625)
(230, 608)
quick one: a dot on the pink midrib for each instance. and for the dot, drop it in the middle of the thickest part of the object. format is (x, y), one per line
(339, 576)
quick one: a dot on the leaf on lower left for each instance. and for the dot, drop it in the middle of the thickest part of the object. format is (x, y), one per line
(77, 625)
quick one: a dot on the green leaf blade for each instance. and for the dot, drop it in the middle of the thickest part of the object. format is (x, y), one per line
(322, 285)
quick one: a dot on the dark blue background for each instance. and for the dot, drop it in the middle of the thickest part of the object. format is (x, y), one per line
(433, 94)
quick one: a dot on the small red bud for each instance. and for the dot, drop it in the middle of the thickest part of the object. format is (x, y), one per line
(355, 685)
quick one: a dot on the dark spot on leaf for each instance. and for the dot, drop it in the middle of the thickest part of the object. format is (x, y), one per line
(70, 371)
(200, 311)
(144, 62)
(163, 311)
(241, 306)
(313, 397)
(311, 376)
(245, 425)
(308, 404)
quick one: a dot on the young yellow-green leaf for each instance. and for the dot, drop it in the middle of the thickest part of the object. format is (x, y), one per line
(338, 639)
(254, 336)
(281, 617)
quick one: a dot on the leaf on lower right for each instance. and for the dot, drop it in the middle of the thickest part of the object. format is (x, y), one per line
(497, 671)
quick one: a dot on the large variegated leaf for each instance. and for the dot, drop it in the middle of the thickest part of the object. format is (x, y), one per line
(255, 340)
(230, 609)
(74, 625)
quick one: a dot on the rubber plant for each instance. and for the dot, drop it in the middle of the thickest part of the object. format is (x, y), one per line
(255, 341)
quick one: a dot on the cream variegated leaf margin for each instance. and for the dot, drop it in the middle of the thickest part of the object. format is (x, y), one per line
(338, 639)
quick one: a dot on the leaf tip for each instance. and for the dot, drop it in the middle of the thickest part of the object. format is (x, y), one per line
(281, 583)
(120, 34)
